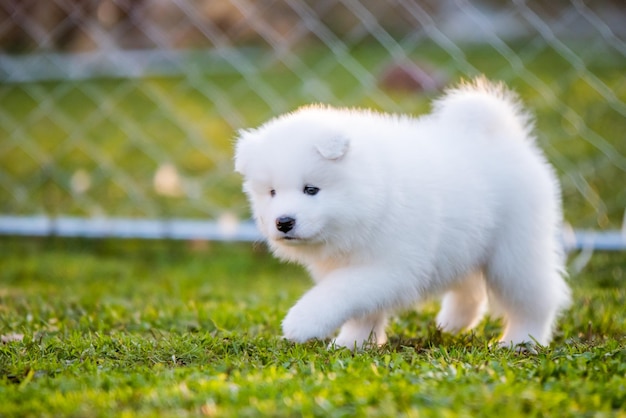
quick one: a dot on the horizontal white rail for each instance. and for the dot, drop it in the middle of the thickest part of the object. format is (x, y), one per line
(227, 229)
(129, 228)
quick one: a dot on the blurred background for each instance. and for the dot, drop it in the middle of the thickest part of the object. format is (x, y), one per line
(127, 109)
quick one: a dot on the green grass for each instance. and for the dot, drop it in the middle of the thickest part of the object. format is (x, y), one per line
(150, 328)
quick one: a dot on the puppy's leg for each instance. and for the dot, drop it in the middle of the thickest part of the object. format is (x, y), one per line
(525, 280)
(359, 332)
(344, 294)
(463, 306)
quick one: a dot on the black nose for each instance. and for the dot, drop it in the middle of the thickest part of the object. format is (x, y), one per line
(285, 223)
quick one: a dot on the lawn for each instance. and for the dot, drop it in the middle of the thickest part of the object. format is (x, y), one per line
(158, 328)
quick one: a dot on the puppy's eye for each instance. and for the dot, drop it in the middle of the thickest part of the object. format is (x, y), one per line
(311, 190)
(272, 192)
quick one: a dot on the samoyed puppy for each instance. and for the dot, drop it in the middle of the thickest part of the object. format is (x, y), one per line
(386, 210)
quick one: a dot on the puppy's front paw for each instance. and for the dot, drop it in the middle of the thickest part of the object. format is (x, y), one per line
(360, 341)
(302, 324)
(525, 347)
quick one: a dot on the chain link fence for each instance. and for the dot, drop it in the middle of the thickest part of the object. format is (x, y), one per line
(117, 117)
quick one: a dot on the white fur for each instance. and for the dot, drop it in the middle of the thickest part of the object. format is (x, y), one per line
(460, 202)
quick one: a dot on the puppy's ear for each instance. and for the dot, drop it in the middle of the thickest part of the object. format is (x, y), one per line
(333, 147)
(244, 149)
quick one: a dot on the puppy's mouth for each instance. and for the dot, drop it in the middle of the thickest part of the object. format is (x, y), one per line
(291, 239)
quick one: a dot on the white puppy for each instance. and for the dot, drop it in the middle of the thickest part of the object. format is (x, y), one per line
(386, 210)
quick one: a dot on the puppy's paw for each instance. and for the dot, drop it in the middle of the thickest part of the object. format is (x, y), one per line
(295, 328)
(525, 347)
(303, 324)
(359, 339)
(356, 344)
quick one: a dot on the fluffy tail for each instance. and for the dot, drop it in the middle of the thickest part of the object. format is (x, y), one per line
(485, 106)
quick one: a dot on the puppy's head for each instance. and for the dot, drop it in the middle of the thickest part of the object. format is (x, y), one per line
(296, 179)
